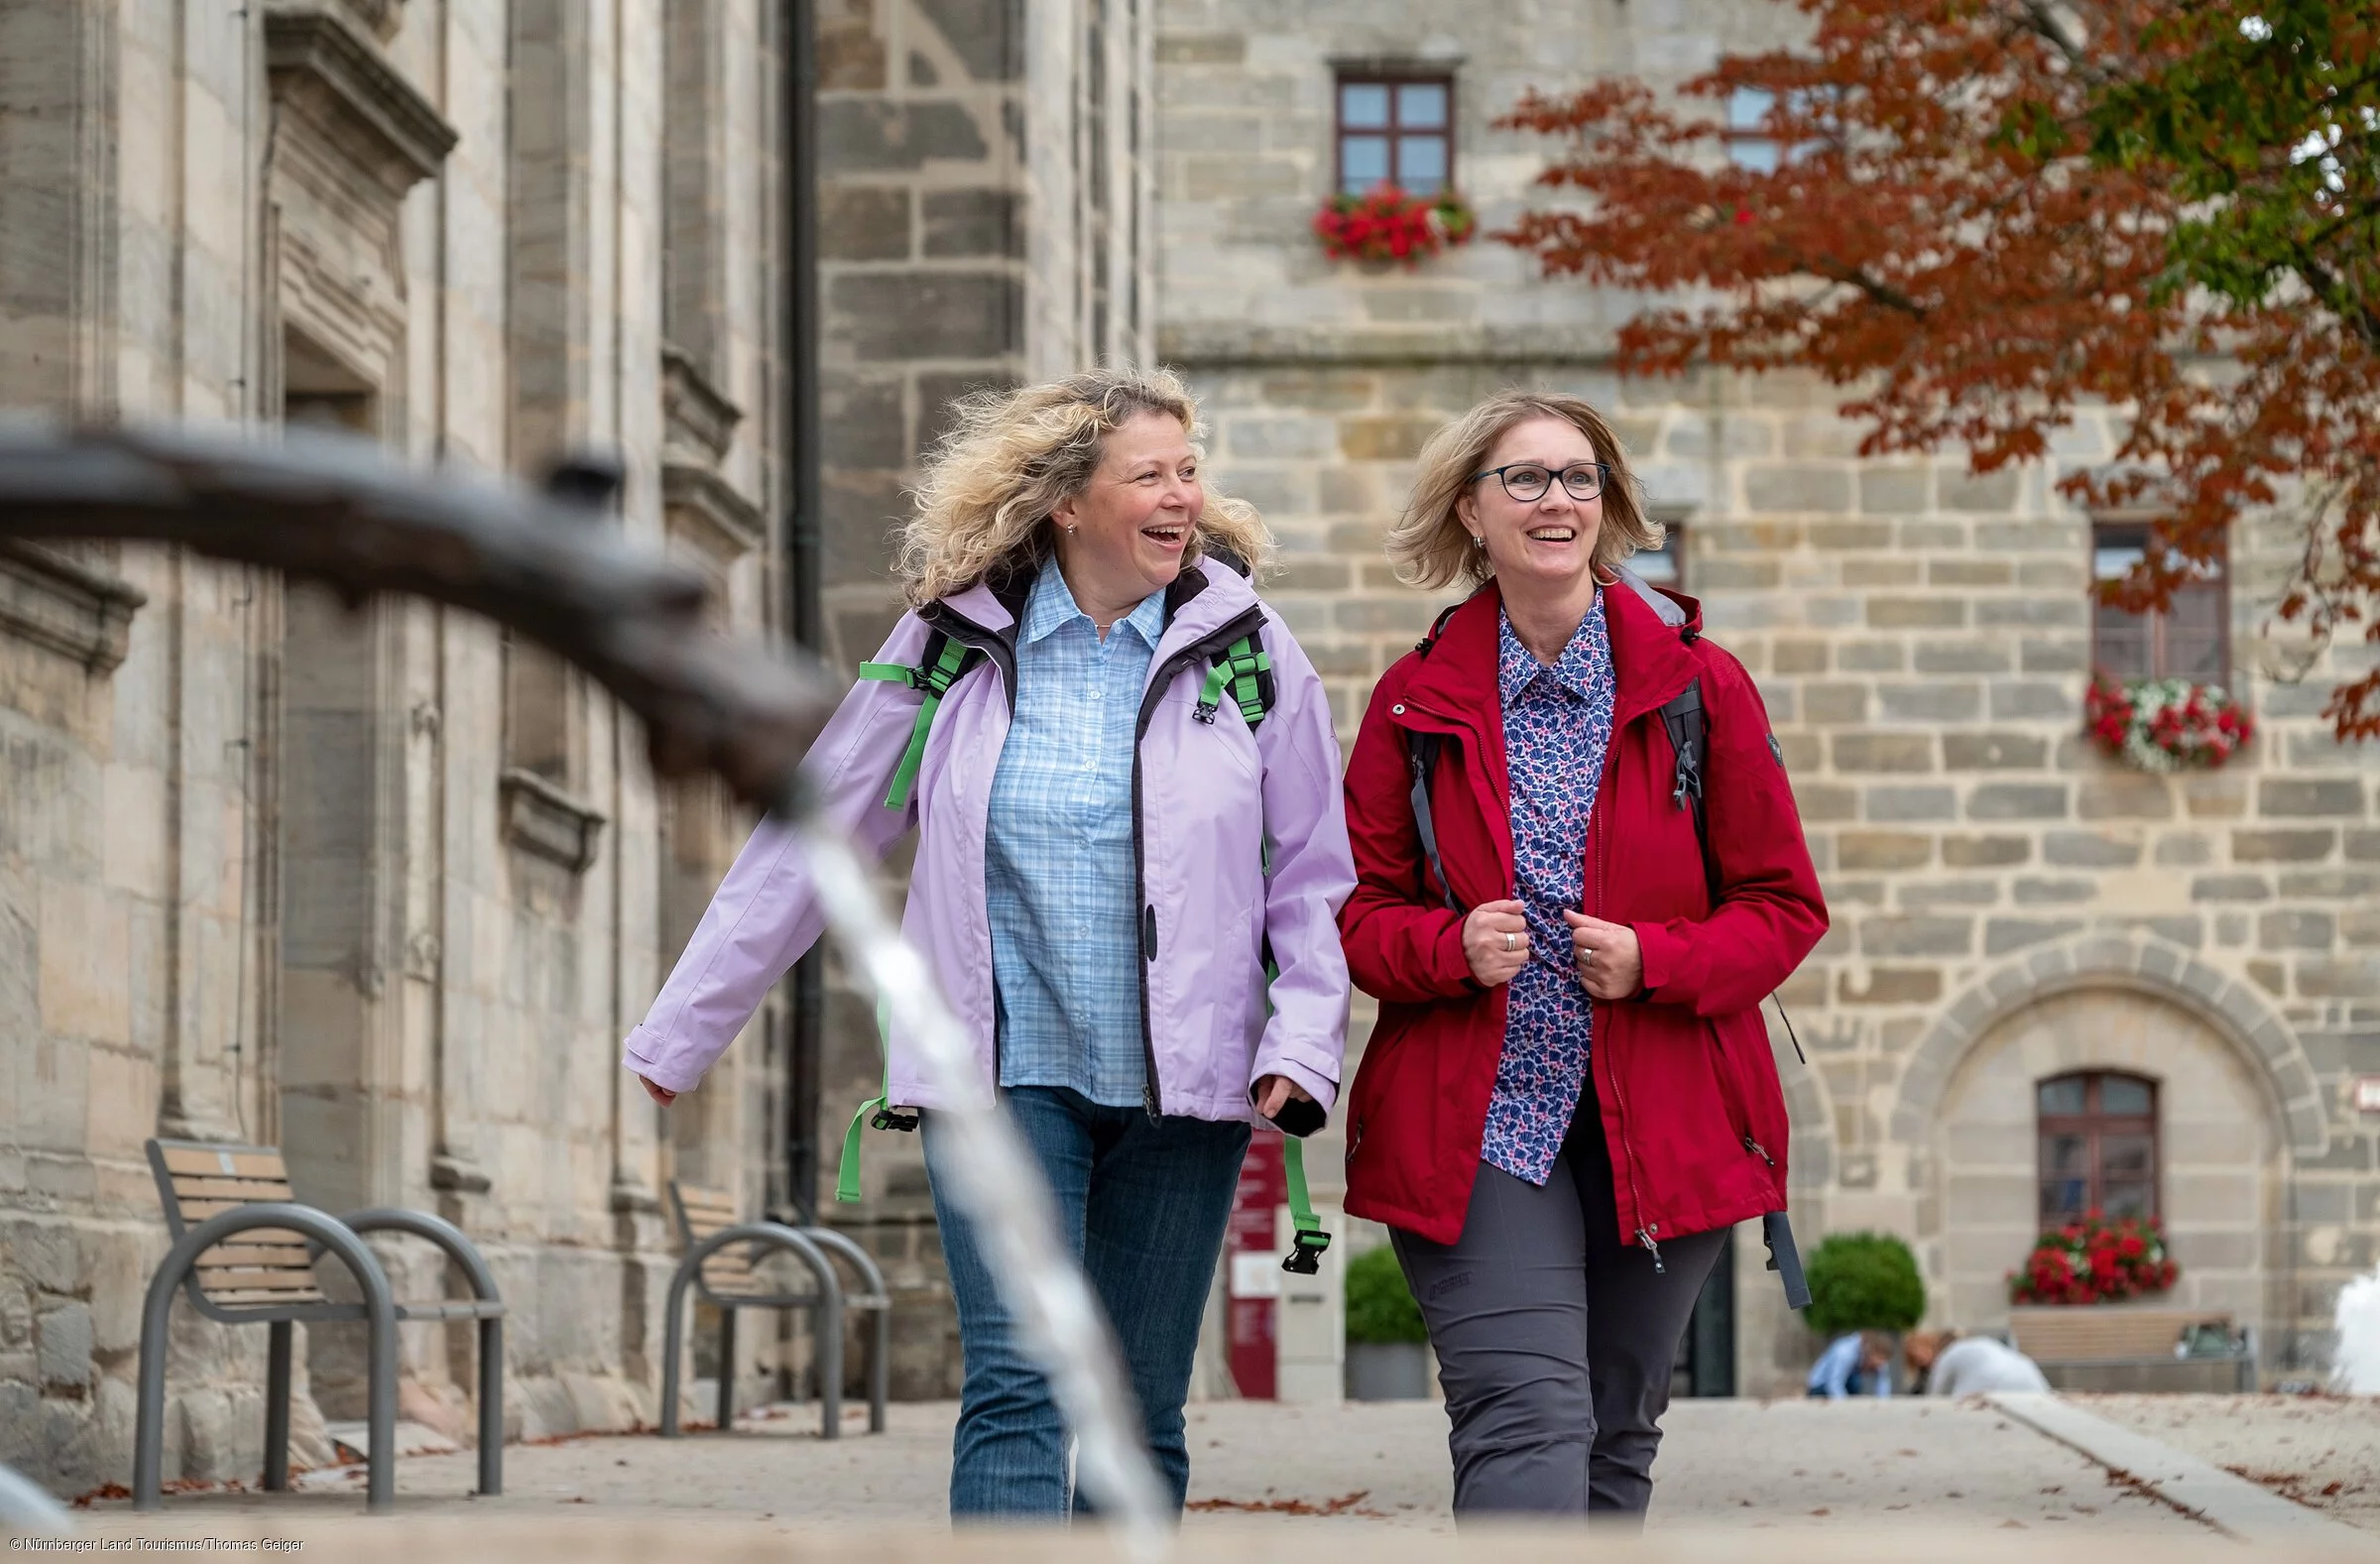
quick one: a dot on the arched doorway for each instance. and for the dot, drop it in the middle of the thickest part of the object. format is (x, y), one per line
(2106, 1094)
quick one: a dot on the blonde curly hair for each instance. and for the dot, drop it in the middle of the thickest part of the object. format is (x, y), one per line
(987, 489)
(1431, 547)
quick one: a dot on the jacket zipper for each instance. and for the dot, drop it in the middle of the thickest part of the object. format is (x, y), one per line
(1627, 1151)
(1248, 624)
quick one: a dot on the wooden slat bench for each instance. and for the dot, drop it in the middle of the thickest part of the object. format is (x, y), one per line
(723, 1262)
(244, 1250)
(2104, 1347)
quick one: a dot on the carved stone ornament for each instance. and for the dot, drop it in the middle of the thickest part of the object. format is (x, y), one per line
(710, 512)
(327, 69)
(547, 820)
(697, 414)
(55, 602)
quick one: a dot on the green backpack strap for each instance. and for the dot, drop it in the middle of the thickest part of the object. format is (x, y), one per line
(877, 1111)
(944, 663)
(1246, 668)
(1309, 1241)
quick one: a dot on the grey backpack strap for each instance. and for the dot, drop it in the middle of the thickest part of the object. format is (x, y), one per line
(1422, 755)
(1682, 716)
(1776, 1231)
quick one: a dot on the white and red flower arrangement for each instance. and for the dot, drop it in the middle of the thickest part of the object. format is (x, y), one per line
(1385, 223)
(2167, 724)
(2091, 1259)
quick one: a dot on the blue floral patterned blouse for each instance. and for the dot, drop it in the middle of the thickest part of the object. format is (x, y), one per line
(1557, 729)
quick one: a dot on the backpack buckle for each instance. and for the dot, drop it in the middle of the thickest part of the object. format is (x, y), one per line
(1203, 712)
(890, 1118)
(1305, 1252)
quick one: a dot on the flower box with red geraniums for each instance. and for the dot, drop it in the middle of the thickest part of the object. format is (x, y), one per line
(2091, 1259)
(1386, 224)
(2166, 724)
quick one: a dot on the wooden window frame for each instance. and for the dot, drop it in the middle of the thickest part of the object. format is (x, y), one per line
(2160, 666)
(1347, 77)
(2092, 1123)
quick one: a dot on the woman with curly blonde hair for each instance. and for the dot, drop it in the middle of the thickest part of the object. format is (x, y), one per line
(1125, 787)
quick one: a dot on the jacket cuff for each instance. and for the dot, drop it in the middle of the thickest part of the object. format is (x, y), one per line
(1322, 1087)
(641, 1054)
(1662, 954)
(1454, 968)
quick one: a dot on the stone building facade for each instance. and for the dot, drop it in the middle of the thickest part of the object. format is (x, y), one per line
(2010, 907)
(387, 889)
(382, 888)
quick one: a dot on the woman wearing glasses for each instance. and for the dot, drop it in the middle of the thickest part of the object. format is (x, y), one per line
(1569, 1097)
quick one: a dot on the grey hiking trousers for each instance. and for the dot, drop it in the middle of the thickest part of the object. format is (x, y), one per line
(1555, 1338)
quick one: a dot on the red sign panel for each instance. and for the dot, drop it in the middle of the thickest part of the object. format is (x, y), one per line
(1262, 1190)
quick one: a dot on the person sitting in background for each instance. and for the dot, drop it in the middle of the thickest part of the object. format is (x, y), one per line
(1853, 1364)
(1955, 1364)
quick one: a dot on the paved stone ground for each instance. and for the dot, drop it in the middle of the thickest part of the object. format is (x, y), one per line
(2322, 1451)
(1725, 1464)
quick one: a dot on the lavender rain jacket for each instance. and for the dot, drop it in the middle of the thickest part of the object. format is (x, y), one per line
(1205, 794)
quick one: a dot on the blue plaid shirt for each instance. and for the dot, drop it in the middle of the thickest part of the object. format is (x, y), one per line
(1058, 859)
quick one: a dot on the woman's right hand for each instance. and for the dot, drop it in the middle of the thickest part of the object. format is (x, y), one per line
(659, 1094)
(1495, 941)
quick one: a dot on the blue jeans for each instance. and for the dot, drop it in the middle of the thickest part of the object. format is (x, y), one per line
(1143, 1203)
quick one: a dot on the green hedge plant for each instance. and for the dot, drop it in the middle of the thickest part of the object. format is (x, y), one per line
(1861, 1281)
(1379, 1306)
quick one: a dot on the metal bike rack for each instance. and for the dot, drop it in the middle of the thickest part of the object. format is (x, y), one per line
(826, 1303)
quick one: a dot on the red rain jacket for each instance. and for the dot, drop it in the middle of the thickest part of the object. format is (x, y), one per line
(1692, 1107)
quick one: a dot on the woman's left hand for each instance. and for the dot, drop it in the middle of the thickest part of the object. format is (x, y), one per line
(1611, 963)
(1274, 1092)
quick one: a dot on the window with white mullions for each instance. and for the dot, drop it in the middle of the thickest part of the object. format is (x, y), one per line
(1395, 130)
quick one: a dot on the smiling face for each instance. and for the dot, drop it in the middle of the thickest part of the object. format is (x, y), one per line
(1123, 536)
(1544, 546)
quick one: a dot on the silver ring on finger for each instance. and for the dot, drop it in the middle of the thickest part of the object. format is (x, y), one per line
(1508, 944)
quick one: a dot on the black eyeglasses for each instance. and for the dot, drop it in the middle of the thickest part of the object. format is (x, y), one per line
(1527, 481)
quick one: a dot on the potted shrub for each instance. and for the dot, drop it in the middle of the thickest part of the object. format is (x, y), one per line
(1865, 1281)
(1387, 1346)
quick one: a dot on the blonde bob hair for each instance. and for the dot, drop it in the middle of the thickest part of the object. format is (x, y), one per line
(1011, 458)
(1431, 547)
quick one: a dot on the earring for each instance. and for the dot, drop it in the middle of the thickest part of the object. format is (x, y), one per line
(1478, 540)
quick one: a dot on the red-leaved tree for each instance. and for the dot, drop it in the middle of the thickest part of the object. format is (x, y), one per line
(1981, 214)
